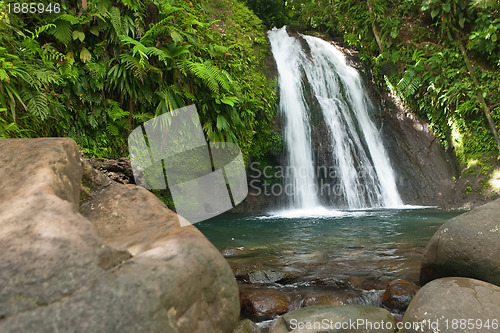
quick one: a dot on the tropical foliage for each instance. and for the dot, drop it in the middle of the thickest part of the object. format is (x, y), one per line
(99, 68)
(441, 57)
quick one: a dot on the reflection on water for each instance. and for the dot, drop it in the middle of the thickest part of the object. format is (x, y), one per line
(370, 243)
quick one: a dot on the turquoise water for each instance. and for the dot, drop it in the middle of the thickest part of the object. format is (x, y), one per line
(372, 244)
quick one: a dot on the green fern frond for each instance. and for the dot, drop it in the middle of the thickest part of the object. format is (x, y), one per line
(97, 69)
(177, 50)
(50, 54)
(210, 75)
(225, 81)
(71, 18)
(43, 28)
(138, 47)
(134, 65)
(161, 54)
(128, 26)
(408, 85)
(36, 104)
(47, 76)
(222, 123)
(31, 44)
(62, 31)
(112, 129)
(134, 5)
(25, 76)
(163, 27)
(169, 100)
(116, 20)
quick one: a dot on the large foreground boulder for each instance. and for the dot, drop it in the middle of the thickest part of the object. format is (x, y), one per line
(467, 245)
(454, 304)
(335, 319)
(125, 265)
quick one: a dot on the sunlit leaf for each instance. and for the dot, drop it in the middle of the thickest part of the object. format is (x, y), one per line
(78, 35)
(85, 55)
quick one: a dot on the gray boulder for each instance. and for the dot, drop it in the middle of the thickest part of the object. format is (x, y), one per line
(467, 245)
(454, 304)
(335, 318)
(122, 264)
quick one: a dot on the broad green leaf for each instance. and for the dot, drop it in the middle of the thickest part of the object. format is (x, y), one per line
(94, 30)
(3, 75)
(434, 13)
(447, 7)
(70, 57)
(78, 35)
(176, 37)
(461, 22)
(229, 100)
(85, 55)
(494, 37)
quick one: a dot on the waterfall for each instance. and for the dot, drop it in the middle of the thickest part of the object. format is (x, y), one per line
(289, 57)
(318, 89)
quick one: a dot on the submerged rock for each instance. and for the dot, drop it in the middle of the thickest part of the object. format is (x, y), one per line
(467, 245)
(246, 326)
(342, 318)
(399, 294)
(124, 265)
(262, 304)
(324, 299)
(268, 276)
(454, 304)
(231, 251)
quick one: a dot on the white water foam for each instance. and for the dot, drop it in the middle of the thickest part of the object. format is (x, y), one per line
(366, 177)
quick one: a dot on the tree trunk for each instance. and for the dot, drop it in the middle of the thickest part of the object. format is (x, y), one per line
(479, 91)
(374, 26)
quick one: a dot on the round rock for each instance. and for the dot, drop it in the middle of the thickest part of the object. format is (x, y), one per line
(454, 304)
(467, 245)
(398, 294)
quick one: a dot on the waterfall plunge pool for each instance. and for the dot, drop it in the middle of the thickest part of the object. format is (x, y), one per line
(346, 257)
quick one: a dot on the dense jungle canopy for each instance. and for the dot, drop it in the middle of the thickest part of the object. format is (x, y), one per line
(95, 69)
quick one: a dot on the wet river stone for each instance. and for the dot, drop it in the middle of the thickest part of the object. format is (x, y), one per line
(335, 319)
(467, 245)
(398, 294)
(263, 304)
(454, 304)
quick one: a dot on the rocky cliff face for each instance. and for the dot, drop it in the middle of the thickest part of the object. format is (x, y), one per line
(120, 262)
(424, 170)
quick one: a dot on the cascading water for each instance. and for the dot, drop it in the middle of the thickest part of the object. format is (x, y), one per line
(317, 76)
(289, 56)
